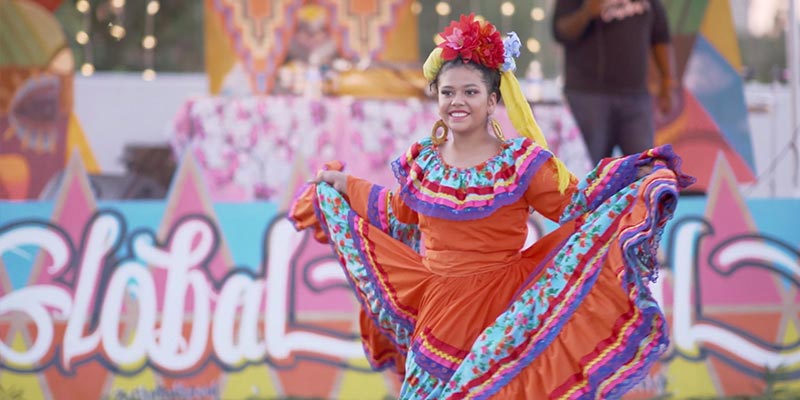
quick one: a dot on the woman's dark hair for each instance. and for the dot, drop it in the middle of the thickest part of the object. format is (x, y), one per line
(490, 77)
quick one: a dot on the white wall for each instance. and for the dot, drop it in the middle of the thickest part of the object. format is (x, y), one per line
(116, 109)
(776, 156)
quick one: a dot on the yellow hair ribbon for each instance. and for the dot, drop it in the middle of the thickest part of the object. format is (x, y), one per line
(521, 116)
(432, 64)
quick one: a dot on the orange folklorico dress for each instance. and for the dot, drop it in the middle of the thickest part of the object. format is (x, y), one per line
(471, 314)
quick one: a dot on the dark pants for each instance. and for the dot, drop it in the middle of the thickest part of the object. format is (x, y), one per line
(608, 120)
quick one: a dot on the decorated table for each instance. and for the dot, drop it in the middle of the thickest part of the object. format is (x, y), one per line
(254, 148)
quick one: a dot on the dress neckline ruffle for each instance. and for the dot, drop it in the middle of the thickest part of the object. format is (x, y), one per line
(437, 153)
(433, 188)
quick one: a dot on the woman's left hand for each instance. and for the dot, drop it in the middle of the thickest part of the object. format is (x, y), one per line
(337, 179)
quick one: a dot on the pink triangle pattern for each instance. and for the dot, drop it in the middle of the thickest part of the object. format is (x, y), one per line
(729, 216)
(74, 206)
(188, 197)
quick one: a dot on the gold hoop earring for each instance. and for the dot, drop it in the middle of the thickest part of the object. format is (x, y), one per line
(497, 131)
(438, 137)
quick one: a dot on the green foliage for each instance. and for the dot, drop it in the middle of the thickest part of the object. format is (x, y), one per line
(178, 28)
(764, 57)
(11, 393)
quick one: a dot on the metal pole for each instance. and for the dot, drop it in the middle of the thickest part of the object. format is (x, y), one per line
(793, 63)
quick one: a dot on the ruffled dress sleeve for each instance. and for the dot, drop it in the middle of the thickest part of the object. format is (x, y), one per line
(612, 175)
(607, 179)
(603, 194)
(375, 203)
(384, 210)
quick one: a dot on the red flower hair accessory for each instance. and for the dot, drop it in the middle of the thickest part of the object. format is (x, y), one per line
(472, 41)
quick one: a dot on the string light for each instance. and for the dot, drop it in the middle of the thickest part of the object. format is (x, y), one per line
(537, 14)
(148, 74)
(149, 42)
(117, 31)
(442, 8)
(116, 28)
(87, 69)
(416, 7)
(533, 45)
(83, 37)
(153, 7)
(83, 6)
(507, 8)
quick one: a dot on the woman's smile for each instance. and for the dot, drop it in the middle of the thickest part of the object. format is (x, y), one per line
(464, 101)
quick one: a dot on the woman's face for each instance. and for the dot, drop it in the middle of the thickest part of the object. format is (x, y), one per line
(464, 100)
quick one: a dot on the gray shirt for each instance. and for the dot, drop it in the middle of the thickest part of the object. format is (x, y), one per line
(613, 53)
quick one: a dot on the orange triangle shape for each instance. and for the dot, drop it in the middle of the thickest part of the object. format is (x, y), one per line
(315, 379)
(311, 379)
(86, 381)
(203, 378)
(764, 325)
(733, 381)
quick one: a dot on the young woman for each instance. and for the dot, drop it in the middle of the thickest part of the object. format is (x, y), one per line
(470, 314)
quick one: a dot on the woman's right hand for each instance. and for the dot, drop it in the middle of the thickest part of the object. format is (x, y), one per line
(337, 179)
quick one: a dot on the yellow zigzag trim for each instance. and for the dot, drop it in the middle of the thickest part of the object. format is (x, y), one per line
(597, 359)
(599, 181)
(440, 353)
(417, 182)
(636, 359)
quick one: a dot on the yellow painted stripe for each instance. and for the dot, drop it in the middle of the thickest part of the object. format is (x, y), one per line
(438, 352)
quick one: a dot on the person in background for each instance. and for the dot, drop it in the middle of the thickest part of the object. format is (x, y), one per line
(607, 46)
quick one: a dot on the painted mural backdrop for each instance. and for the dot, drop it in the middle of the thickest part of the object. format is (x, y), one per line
(294, 46)
(354, 47)
(712, 116)
(38, 128)
(188, 298)
(181, 299)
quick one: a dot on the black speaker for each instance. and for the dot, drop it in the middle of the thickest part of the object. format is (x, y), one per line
(112, 187)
